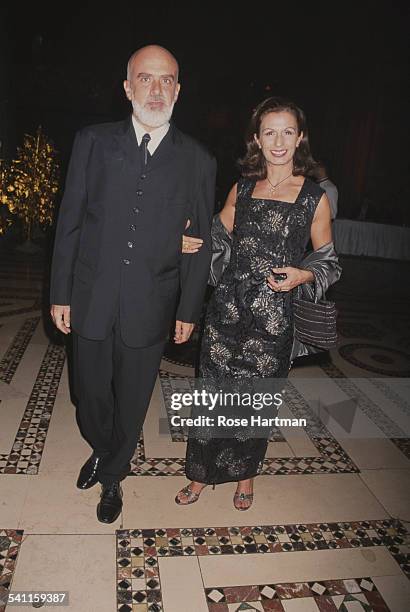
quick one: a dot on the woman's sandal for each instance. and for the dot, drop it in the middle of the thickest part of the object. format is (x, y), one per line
(190, 496)
(242, 497)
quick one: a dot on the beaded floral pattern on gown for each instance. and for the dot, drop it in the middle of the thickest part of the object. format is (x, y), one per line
(248, 327)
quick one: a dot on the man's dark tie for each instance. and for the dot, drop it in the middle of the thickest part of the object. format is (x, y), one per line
(144, 148)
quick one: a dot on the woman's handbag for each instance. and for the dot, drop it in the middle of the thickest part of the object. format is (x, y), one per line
(315, 323)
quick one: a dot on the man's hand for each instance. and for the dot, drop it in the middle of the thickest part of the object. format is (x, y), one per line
(183, 331)
(61, 317)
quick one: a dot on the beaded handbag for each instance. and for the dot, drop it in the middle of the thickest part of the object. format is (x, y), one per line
(315, 323)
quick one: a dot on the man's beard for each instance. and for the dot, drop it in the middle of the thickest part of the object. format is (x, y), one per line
(152, 118)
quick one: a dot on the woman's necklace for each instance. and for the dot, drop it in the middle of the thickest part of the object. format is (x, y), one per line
(273, 187)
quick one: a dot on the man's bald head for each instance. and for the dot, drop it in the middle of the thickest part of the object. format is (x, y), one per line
(152, 85)
(151, 52)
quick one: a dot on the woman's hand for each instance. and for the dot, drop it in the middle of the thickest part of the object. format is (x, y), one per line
(294, 277)
(191, 244)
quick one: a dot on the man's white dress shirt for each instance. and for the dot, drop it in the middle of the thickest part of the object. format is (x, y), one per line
(157, 134)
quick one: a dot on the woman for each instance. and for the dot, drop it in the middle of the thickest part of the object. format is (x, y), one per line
(271, 212)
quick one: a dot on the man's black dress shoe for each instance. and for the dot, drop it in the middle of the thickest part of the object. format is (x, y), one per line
(88, 473)
(109, 508)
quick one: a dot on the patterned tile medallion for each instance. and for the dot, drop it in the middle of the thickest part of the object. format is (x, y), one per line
(377, 359)
(16, 350)
(10, 541)
(28, 446)
(138, 551)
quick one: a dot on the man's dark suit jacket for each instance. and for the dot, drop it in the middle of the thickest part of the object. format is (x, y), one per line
(119, 233)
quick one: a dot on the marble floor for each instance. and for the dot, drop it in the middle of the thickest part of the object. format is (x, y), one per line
(328, 529)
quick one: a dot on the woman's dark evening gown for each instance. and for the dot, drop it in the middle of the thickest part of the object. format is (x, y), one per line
(248, 327)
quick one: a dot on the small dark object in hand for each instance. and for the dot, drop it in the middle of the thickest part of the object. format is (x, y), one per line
(280, 276)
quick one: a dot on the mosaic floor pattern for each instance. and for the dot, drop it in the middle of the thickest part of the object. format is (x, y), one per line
(324, 596)
(28, 445)
(139, 553)
(13, 356)
(10, 542)
(358, 563)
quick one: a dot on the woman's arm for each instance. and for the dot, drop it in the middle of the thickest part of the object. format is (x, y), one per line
(321, 228)
(227, 215)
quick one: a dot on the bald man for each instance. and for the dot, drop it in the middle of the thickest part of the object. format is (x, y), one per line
(118, 275)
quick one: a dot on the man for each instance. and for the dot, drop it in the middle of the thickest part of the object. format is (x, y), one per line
(320, 174)
(117, 266)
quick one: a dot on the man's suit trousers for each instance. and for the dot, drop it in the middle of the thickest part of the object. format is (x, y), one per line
(113, 384)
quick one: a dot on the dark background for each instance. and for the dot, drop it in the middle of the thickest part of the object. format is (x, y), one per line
(62, 66)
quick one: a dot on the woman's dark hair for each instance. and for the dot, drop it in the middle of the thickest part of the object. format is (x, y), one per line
(253, 164)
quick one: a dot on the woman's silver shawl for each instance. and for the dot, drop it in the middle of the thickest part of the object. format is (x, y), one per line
(221, 250)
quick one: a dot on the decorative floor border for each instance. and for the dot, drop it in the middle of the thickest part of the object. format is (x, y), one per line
(16, 350)
(28, 446)
(138, 550)
(10, 542)
(329, 596)
(331, 458)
